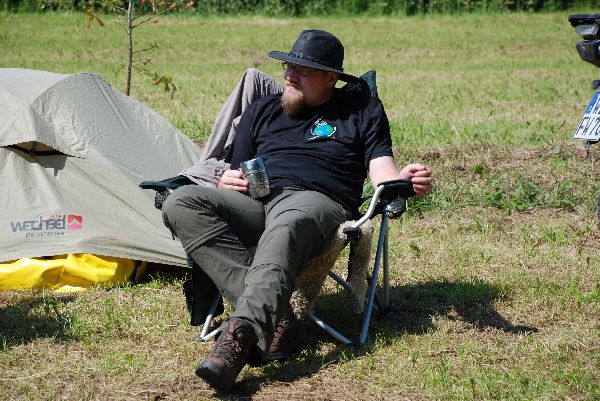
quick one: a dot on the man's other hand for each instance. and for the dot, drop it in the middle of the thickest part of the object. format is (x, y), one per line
(420, 176)
(384, 169)
(233, 179)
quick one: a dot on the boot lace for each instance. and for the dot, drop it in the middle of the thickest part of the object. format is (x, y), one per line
(283, 325)
(229, 347)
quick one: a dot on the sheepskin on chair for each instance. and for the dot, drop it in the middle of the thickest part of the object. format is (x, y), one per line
(309, 282)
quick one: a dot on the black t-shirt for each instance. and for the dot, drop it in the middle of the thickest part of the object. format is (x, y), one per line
(326, 149)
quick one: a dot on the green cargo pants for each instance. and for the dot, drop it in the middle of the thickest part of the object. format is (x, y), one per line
(288, 227)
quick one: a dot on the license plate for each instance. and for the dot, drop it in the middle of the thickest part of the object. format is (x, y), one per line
(589, 128)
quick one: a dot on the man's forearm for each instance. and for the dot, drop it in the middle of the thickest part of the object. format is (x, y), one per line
(384, 169)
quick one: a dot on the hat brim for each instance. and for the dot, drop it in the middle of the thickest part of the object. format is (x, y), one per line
(288, 58)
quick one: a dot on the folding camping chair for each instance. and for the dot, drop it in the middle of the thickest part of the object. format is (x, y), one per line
(389, 200)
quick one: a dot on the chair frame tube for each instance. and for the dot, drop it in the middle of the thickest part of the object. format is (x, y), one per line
(333, 332)
(373, 285)
(386, 273)
(205, 335)
(340, 280)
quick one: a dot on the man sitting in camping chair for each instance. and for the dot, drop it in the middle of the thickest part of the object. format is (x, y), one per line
(318, 145)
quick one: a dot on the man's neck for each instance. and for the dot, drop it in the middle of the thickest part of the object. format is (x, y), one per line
(325, 99)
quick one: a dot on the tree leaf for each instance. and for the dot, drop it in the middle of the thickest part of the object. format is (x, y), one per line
(89, 13)
(118, 70)
(88, 24)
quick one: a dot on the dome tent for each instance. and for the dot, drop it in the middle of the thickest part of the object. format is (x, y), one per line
(72, 153)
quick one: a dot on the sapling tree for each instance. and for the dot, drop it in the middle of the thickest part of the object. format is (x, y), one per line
(135, 13)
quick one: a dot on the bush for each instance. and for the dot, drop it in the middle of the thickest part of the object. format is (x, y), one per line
(324, 7)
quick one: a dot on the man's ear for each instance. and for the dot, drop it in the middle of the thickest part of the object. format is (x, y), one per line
(332, 79)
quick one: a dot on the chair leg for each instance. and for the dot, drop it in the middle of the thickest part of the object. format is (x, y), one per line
(347, 286)
(340, 280)
(205, 335)
(377, 305)
(373, 284)
(209, 335)
(386, 275)
(333, 332)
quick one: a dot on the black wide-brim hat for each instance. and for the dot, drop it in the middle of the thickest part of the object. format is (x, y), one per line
(317, 49)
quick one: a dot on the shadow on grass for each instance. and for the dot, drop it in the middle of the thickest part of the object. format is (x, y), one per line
(414, 307)
(310, 362)
(413, 310)
(27, 318)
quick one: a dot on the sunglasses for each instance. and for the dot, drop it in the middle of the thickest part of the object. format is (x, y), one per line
(296, 69)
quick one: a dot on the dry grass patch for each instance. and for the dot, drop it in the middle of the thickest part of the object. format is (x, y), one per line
(496, 280)
(469, 321)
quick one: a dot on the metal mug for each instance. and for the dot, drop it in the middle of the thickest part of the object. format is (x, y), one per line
(256, 174)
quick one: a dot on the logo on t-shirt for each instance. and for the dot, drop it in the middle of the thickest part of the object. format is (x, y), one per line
(322, 129)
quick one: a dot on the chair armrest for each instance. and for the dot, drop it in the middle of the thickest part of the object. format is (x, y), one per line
(168, 184)
(164, 188)
(392, 193)
(396, 189)
(158, 186)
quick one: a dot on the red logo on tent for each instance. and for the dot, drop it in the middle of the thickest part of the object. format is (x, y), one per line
(74, 222)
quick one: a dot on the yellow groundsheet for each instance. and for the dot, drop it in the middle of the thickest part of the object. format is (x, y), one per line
(73, 272)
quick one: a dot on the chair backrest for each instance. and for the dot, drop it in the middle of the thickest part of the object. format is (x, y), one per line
(369, 78)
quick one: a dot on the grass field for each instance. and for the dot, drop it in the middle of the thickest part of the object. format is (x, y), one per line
(496, 275)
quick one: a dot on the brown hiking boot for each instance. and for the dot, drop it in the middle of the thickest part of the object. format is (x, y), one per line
(288, 339)
(228, 356)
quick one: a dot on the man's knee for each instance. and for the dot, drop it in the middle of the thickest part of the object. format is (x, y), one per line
(316, 207)
(289, 239)
(297, 223)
